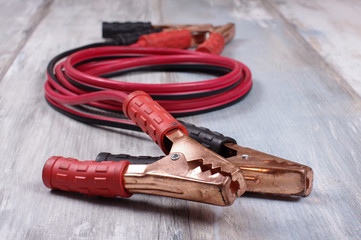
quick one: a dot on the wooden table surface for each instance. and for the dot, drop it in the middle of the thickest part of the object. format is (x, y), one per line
(304, 106)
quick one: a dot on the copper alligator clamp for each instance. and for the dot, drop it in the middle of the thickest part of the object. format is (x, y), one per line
(211, 39)
(217, 38)
(205, 37)
(265, 173)
(190, 171)
(262, 172)
(198, 31)
(166, 35)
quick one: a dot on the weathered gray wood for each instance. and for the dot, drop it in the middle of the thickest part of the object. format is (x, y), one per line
(298, 109)
(18, 20)
(333, 29)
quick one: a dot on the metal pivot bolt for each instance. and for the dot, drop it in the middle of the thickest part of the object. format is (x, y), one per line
(244, 156)
(175, 156)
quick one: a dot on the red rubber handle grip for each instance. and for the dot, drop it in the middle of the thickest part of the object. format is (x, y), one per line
(151, 117)
(169, 39)
(214, 44)
(88, 177)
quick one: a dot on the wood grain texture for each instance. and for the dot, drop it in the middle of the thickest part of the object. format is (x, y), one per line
(333, 29)
(18, 20)
(298, 109)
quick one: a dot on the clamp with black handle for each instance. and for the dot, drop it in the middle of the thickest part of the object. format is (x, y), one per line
(263, 173)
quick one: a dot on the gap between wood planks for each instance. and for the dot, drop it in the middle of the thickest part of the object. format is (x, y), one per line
(34, 22)
(315, 58)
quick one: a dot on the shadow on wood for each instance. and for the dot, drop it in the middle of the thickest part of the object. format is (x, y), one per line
(181, 211)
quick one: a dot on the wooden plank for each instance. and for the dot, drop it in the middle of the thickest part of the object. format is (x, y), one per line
(298, 109)
(18, 20)
(28, 137)
(333, 29)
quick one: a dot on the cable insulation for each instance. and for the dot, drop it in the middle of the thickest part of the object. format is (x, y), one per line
(82, 76)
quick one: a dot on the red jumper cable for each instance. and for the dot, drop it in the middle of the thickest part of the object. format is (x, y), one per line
(83, 78)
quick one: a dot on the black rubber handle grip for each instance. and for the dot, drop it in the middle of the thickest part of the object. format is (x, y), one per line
(112, 28)
(213, 140)
(104, 156)
(124, 39)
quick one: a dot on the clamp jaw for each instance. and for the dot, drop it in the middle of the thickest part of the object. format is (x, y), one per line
(269, 174)
(206, 37)
(190, 171)
(227, 31)
(263, 173)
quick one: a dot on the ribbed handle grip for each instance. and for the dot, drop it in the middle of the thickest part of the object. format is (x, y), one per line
(152, 118)
(213, 140)
(167, 39)
(87, 177)
(132, 37)
(214, 44)
(112, 28)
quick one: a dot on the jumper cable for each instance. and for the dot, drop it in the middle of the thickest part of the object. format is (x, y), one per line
(83, 78)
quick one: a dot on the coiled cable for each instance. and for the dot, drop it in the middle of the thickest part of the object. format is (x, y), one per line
(79, 82)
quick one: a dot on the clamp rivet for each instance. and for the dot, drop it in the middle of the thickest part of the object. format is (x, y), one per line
(244, 156)
(175, 156)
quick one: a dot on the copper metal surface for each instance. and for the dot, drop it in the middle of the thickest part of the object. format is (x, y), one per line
(200, 32)
(228, 31)
(190, 27)
(265, 173)
(190, 171)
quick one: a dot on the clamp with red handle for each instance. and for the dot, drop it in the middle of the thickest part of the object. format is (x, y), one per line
(205, 37)
(190, 171)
